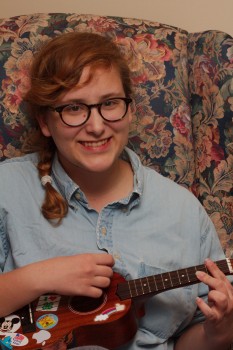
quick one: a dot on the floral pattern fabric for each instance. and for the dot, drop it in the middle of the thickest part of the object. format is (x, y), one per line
(183, 96)
(211, 88)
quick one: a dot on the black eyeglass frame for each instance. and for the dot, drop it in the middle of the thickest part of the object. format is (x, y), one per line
(59, 109)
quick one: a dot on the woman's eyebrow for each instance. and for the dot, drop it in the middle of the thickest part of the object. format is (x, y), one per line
(112, 95)
(100, 98)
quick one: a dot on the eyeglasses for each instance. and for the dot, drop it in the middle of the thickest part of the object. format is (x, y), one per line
(77, 114)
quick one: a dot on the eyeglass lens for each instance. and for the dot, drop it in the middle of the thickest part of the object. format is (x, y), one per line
(111, 110)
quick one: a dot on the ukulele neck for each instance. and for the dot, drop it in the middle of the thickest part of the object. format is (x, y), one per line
(166, 281)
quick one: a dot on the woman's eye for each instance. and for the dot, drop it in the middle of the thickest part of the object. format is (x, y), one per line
(110, 103)
(74, 108)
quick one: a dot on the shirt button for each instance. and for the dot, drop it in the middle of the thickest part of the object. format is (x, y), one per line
(103, 231)
(78, 196)
(116, 256)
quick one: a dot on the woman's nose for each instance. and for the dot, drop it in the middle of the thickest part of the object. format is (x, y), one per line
(95, 123)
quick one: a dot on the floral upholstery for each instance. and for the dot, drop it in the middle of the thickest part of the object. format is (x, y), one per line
(211, 88)
(183, 125)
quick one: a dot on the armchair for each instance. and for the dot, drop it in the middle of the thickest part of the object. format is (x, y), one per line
(183, 125)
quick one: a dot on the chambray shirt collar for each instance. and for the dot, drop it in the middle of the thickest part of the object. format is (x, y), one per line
(67, 187)
(136, 165)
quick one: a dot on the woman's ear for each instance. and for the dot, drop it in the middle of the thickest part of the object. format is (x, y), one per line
(42, 121)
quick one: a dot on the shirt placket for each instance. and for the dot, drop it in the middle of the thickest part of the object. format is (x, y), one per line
(104, 230)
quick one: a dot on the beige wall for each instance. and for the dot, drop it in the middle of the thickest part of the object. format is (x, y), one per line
(192, 15)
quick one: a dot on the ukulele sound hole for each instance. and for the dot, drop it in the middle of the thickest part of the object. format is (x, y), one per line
(83, 305)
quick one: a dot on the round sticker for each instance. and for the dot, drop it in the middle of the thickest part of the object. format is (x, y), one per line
(15, 339)
(47, 321)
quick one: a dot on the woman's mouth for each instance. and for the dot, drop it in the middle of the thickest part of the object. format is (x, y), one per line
(95, 144)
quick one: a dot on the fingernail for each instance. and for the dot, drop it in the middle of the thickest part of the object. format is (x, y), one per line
(200, 274)
(207, 260)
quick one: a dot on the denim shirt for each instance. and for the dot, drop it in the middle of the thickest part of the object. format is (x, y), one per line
(160, 227)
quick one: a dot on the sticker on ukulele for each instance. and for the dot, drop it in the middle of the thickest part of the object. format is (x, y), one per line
(41, 336)
(48, 303)
(106, 313)
(47, 321)
(15, 339)
(9, 323)
(5, 343)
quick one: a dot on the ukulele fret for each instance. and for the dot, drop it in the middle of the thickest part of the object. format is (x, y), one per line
(131, 289)
(155, 289)
(141, 286)
(170, 279)
(135, 288)
(186, 272)
(192, 274)
(149, 284)
(178, 276)
(162, 281)
(159, 283)
(144, 286)
(184, 276)
(167, 282)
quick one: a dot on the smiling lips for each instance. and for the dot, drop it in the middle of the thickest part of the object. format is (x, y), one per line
(95, 144)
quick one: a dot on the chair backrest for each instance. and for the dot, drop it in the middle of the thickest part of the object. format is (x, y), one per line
(211, 100)
(157, 55)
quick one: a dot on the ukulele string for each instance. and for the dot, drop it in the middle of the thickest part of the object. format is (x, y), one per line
(159, 282)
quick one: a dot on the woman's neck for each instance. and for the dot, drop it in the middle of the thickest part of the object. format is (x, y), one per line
(103, 188)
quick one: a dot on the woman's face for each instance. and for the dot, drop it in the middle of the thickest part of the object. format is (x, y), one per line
(96, 145)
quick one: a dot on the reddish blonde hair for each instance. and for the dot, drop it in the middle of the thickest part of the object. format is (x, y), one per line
(57, 68)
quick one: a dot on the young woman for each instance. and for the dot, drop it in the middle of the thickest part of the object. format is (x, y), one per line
(81, 205)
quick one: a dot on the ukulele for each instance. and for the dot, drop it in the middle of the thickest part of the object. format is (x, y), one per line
(109, 321)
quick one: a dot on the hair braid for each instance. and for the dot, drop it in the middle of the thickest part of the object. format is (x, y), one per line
(54, 207)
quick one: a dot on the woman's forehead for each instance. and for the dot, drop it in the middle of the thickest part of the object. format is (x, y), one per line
(101, 83)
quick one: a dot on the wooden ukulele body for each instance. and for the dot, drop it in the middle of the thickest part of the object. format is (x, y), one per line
(107, 321)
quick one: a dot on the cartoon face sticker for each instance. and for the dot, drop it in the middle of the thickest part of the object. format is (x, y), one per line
(10, 323)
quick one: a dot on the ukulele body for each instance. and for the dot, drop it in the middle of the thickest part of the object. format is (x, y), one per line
(107, 321)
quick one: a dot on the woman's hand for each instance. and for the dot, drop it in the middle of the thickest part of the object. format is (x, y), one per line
(83, 274)
(219, 310)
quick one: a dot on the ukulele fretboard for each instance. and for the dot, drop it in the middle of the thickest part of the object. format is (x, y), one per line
(168, 280)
